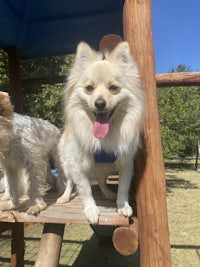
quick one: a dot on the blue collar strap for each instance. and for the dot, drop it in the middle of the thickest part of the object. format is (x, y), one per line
(103, 157)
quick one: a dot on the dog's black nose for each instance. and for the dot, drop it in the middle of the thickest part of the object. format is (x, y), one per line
(100, 104)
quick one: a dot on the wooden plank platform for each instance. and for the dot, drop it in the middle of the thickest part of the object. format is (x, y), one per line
(71, 212)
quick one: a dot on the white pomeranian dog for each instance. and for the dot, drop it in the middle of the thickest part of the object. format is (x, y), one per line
(104, 111)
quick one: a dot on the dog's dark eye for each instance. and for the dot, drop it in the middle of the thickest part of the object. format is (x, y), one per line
(89, 88)
(113, 88)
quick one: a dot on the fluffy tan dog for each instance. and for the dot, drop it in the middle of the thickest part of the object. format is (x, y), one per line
(104, 111)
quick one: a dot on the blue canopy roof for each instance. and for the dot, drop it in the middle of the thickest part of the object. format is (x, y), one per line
(49, 27)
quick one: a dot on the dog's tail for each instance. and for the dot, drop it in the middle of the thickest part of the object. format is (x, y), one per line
(6, 108)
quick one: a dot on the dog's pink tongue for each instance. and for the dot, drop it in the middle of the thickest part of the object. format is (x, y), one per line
(101, 125)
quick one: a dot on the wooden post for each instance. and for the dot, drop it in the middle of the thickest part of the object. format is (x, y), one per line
(149, 167)
(109, 42)
(4, 226)
(50, 245)
(17, 245)
(14, 78)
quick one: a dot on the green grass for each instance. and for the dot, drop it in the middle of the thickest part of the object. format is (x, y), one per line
(183, 200)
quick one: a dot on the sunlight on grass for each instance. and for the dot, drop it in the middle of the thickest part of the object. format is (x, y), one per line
(183, 199)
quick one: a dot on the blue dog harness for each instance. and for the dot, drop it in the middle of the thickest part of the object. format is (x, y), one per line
(103, 157)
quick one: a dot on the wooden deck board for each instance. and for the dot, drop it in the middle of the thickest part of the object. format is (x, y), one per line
(71, 212)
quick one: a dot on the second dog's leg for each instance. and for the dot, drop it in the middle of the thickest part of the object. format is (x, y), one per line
(6, 195)
(38, 186)
(11, 176)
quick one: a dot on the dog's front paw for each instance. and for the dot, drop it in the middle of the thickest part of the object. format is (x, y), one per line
(92, 213)
(62, 200)
(125, 210)
(6, 197)
(7, 205)
(34, 209)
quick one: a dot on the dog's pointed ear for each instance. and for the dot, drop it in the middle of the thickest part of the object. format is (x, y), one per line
(122, 53)
(84, 54)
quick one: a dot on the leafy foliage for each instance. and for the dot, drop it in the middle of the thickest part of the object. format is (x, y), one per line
(46, 67)
(179, 109)
(3, 71)
(43, 101)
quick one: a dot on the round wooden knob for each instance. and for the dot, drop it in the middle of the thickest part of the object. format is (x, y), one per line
(125, 239)
(109, 42)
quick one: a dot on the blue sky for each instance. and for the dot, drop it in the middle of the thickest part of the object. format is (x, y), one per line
(176, 34)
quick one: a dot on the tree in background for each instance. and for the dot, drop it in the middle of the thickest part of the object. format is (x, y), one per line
(179, 109)
(43, 101)
(3, 71)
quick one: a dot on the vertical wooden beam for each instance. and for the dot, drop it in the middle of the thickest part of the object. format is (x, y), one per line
(149, 167)
(50, 245)
(14, 78)
(17, 245)
(4, 226)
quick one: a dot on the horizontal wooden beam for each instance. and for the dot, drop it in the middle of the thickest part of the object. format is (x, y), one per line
(162, 80)
(178, 79)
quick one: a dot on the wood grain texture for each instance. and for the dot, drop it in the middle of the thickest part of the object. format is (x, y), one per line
(50, 245)
(17, 245)
(125, 239)
(71, 212)
(178, 79)
(149, 167)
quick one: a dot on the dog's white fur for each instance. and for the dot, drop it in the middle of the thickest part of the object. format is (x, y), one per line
(113, 78)
(26, 146)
